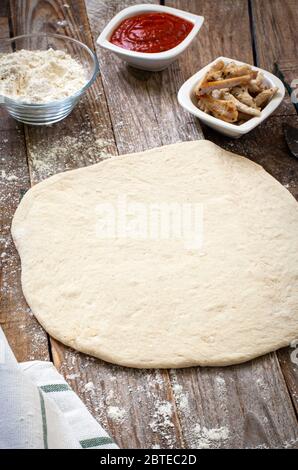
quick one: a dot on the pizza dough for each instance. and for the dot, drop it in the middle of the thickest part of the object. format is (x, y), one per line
(153, 299)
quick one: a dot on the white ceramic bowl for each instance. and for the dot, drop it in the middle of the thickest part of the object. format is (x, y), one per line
(187, 100)
(149, 61)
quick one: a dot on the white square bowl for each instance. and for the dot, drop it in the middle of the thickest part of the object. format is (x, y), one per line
(149, 61)
(187, 100)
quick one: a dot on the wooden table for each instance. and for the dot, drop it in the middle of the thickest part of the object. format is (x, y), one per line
(126, 110)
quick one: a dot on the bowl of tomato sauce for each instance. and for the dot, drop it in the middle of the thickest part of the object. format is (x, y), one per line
(150, 37)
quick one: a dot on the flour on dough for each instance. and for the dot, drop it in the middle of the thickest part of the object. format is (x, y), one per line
(155, 302)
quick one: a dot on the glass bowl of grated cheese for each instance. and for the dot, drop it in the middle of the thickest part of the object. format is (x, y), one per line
(43, 76)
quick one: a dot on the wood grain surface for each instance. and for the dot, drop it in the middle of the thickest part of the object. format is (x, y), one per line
(67, 145)
(266, 146)
(280, 22)
(250, 405)
(25, 335)
(277, 21)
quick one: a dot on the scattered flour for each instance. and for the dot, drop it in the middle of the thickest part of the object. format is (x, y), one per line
(220, 381)
(89, 387)
(62, 23)
(162, 423)
(72, 376)
(180, 397)
(6, 177)
(261, 446)
(221, 387)
(40, 76)
(116, 414)
(291, 444)
(110, 396)
(48, 159)
(162, 416)
(205, 438)
(12, 178)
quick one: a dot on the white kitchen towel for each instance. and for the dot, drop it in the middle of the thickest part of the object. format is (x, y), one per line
(40, 411)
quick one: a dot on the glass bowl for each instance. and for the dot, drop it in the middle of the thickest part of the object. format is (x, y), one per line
(54, 111)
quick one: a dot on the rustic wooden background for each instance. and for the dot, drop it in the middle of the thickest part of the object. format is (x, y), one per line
(250, 405)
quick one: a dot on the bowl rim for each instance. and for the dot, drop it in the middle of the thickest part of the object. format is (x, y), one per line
(185, 99)
(6, 99)
(127, 12)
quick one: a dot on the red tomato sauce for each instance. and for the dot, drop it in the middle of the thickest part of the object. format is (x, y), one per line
(151, 32)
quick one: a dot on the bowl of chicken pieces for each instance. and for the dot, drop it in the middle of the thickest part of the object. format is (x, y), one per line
(231, 96)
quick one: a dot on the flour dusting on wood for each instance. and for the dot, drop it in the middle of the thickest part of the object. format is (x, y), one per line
(162, 420)
(48, 159)
(116, 414)
(205, 438)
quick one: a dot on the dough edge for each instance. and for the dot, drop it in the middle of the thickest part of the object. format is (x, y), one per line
(21, 214)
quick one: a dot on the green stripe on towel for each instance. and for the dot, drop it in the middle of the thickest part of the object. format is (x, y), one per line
(55, 388)
(96, 441)
(44, 421)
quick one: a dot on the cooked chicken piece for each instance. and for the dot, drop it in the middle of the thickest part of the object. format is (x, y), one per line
(219, 65)
(213, 76)
(257, 85)
(206, 87)
(263, 98)
(241, 93)
(233, 70)
(201, 83)
(215, 73)
(243, 108)
(219, 94)
(203, 107)
(221, 109)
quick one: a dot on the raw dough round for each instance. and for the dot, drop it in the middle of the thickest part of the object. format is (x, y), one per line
(155, 302)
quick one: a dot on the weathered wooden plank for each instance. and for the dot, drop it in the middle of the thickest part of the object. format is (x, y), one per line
(246, 428)
(279, 19)
(235, 407)
(222, 33)
(24, 334)
(4, 29)
(288, 359)
(136, 408)
(4, 13)
(142, 433)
